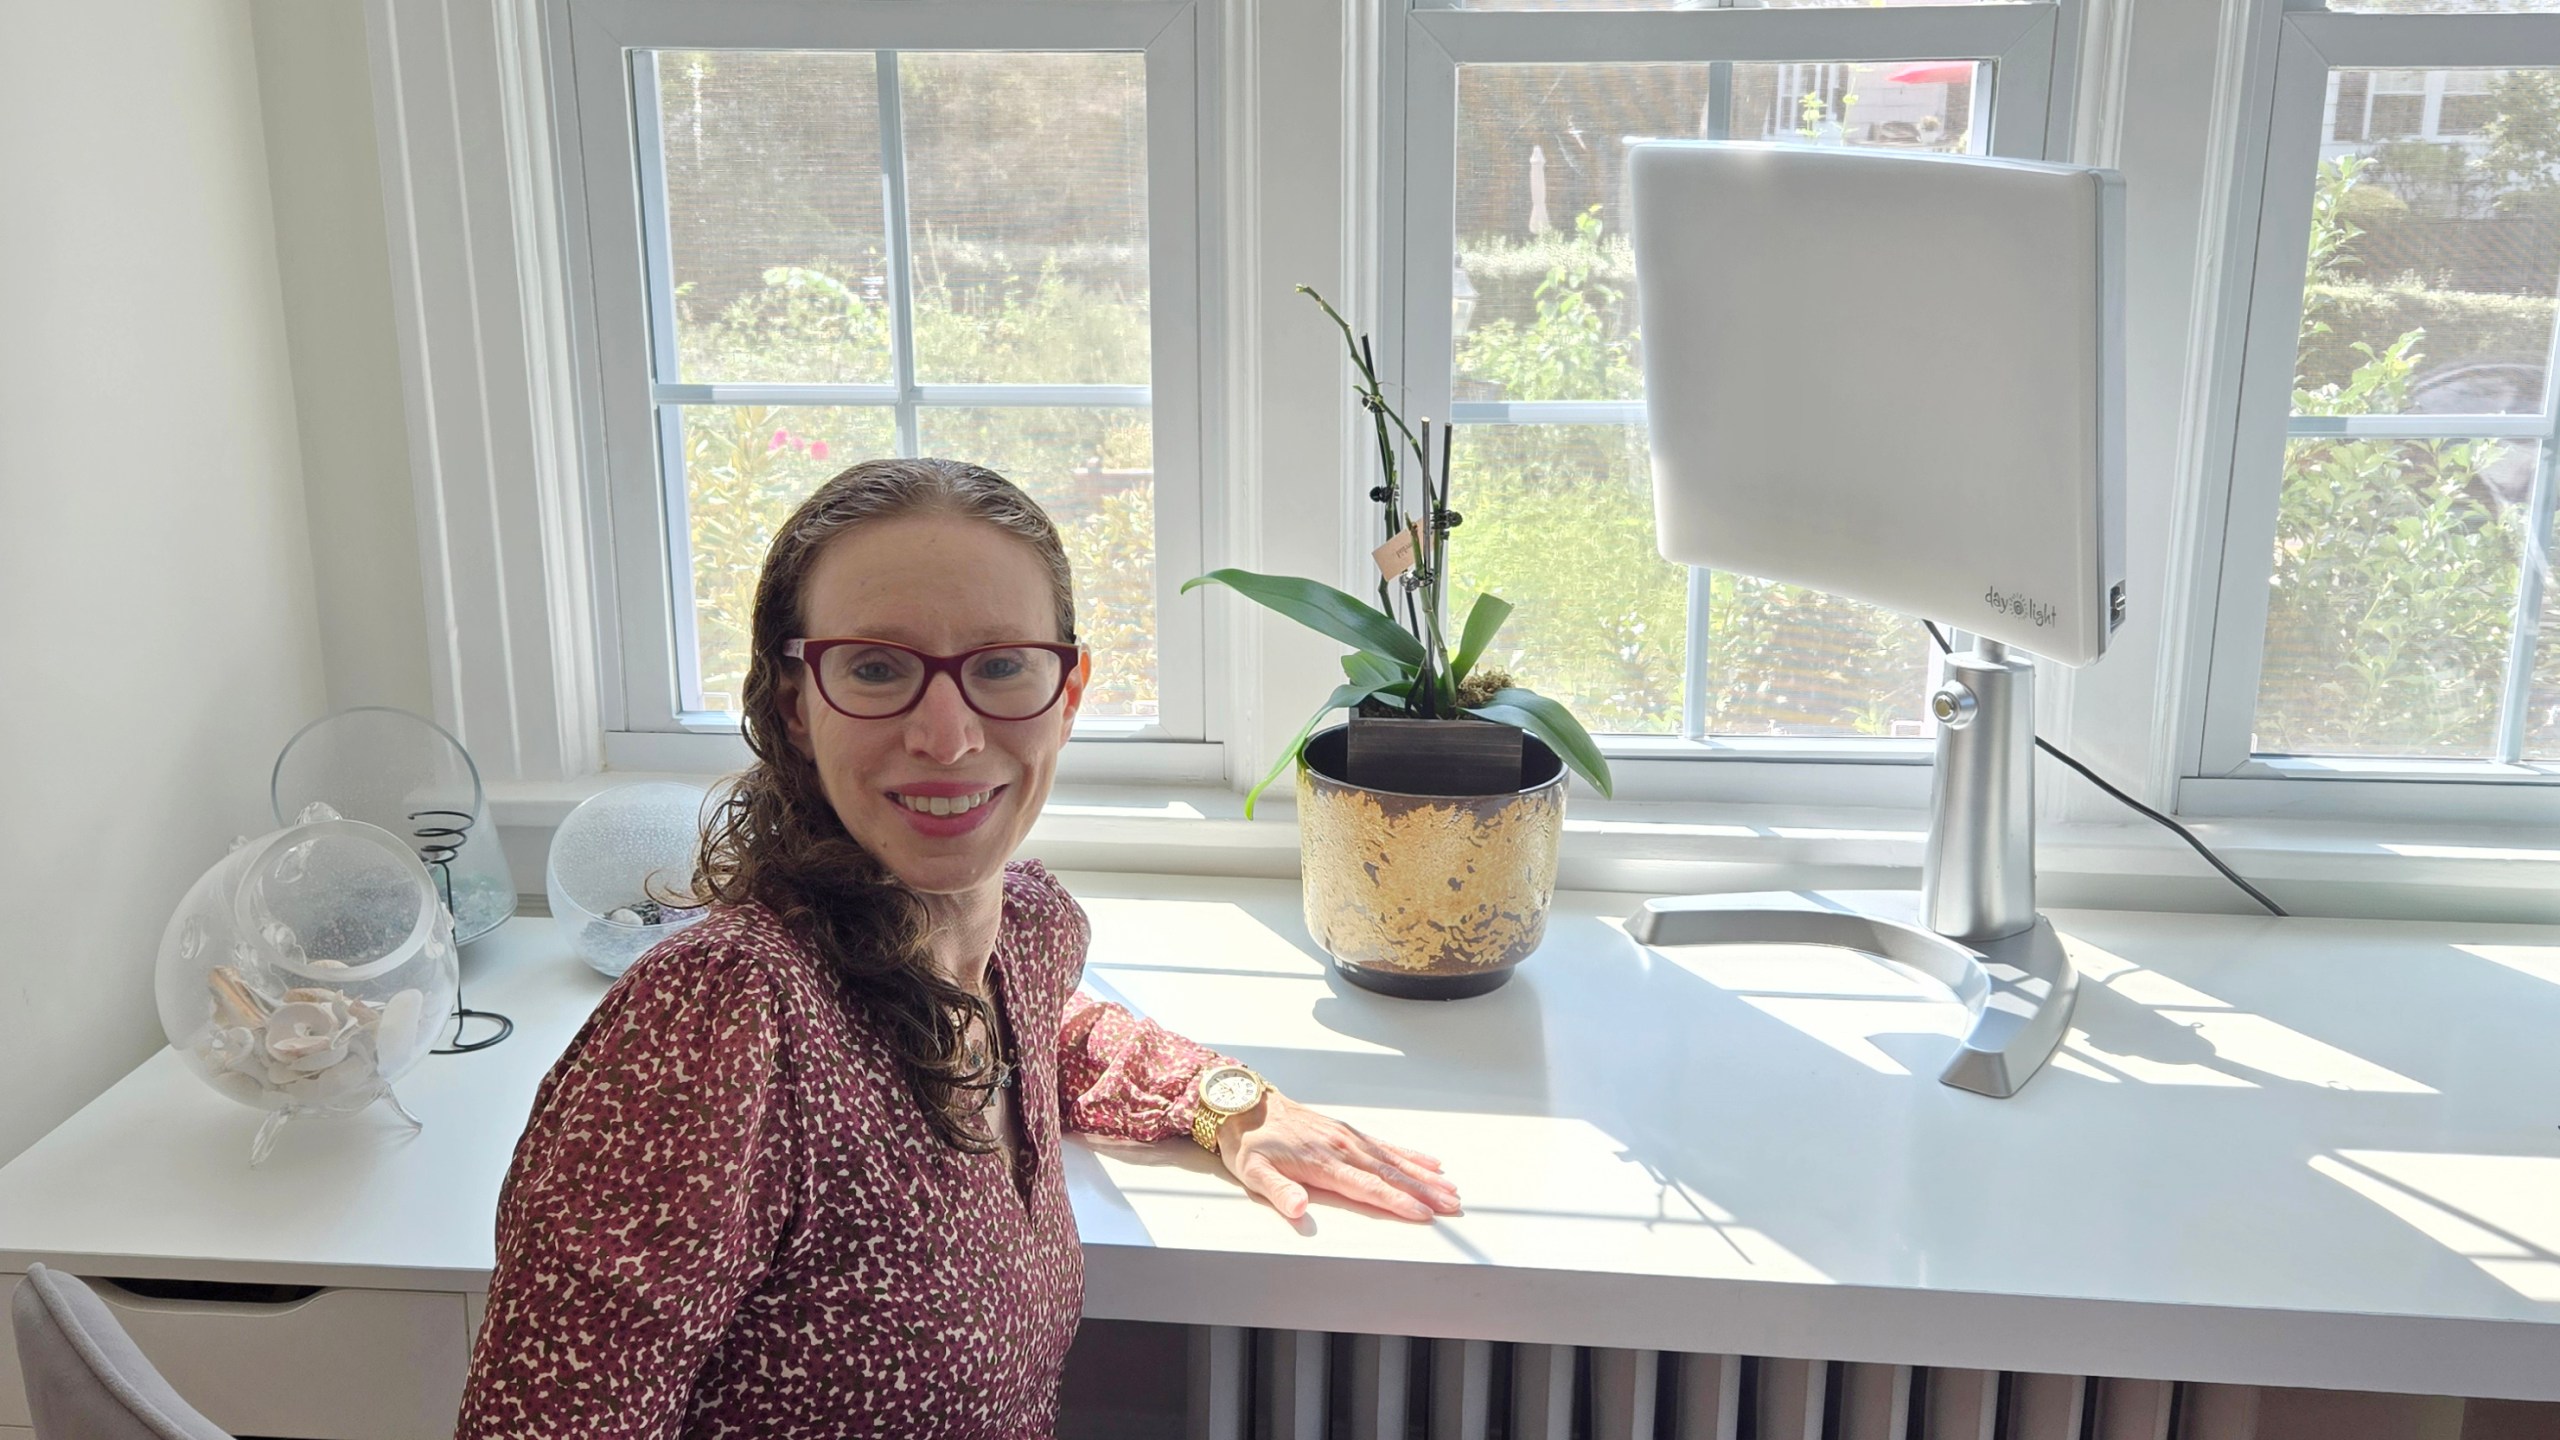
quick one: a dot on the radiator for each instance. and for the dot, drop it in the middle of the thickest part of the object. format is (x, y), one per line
(1308, 1385)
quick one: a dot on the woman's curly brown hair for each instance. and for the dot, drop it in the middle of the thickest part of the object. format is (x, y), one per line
(775, 840)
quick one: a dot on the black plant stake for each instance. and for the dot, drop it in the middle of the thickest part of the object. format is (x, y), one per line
(1424, 584)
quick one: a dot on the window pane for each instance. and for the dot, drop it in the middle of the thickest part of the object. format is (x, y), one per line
(1784, 660)
(1542, 239)
(1093, 470)
(2435, 242)
(1546, 279)
(2393, 599)
(1901, 104)
(1027, 203)
(745, 468)
(774, 216)
(2542, 702)
(1559, 521)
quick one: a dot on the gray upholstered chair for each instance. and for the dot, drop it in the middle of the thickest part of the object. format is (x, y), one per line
(85, 1378)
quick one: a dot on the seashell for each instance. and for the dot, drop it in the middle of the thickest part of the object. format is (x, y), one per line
(397, 1032)
(281, 939)
(306, 1036)
(234, 1002)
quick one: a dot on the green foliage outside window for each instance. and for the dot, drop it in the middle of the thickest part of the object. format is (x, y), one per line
(2394, 576)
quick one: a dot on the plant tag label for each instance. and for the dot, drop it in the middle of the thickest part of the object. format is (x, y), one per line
(1396, 556)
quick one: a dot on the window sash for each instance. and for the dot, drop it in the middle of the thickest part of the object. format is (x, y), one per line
(623, 270)
(2030, 113)
(2311, 44)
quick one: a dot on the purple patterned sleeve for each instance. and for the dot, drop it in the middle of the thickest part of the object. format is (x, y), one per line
(1125, 1076)
(1119, 1074)
(647, 1198)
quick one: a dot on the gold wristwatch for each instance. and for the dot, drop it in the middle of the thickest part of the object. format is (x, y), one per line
(1225, 1091)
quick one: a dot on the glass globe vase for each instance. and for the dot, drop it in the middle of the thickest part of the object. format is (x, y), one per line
(619, 870)
(408, 775)
(307, 970)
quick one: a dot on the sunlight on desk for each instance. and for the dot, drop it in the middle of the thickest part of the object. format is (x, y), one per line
(2497, 1211)
(1209, 936)
(2542, 962)
(1200, 1005)
(2223, 1032)
(1843, 998)
(1180, 961)
(1537, 1188)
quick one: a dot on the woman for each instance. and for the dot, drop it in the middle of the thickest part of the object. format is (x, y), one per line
(799, 1174)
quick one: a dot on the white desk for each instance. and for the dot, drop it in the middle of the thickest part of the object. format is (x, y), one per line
(2311, 1153)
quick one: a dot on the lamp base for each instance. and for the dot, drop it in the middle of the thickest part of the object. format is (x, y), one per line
(2020, 987)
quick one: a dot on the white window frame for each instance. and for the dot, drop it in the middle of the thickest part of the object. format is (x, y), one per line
(2034, 51)
(2224, 777)
(607, 118)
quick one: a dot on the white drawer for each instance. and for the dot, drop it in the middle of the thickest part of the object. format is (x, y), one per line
(337, 1365)
(14, 1418)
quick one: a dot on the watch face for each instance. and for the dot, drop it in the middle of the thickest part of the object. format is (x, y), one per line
(1231, 1089)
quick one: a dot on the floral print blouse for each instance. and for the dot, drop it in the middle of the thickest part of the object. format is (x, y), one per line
(727, 1216)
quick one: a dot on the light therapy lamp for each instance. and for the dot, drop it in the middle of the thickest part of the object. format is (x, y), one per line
(1899, 378)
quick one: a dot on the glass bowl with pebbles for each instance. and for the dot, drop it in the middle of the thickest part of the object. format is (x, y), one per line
(620, 869)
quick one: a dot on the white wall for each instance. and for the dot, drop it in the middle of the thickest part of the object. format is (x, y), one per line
(327, 184)
(156, 602)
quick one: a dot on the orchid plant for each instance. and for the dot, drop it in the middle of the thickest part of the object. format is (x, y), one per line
(1403, 667)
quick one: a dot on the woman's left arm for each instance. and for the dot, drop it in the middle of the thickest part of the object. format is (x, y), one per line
(1128, 1077)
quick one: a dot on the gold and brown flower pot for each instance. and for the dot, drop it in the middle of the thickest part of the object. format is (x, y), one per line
(1431, 897)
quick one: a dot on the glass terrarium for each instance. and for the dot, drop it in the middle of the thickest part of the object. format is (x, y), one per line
(408, 775)
(621, 869)
(308, 970)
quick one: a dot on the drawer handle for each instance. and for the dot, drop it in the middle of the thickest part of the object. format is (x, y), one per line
(228, 1292)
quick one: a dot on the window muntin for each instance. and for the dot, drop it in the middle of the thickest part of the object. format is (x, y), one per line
(2404, 608)
(918, 252)
(1547, 384)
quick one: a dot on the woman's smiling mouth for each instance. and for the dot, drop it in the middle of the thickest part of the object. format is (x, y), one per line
(945, 804)
(942, 809)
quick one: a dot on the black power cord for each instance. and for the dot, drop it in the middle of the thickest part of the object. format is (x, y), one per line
(2094, 778)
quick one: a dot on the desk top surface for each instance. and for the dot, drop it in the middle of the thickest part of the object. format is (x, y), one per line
(2301, 1152)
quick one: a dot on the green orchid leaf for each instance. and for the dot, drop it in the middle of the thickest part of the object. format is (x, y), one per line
(1484, 621)
(1320, 608)
(1553, 724)
(1364, 668)
(1343, 697)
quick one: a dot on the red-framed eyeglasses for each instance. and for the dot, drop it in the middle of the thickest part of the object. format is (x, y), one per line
(866, 679)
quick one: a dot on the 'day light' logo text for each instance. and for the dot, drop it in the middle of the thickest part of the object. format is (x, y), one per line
(2034, 611)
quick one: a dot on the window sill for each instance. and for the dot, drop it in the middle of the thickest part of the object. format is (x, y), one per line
(2373, 869)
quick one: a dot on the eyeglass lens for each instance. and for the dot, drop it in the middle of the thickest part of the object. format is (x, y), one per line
(874, 680)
